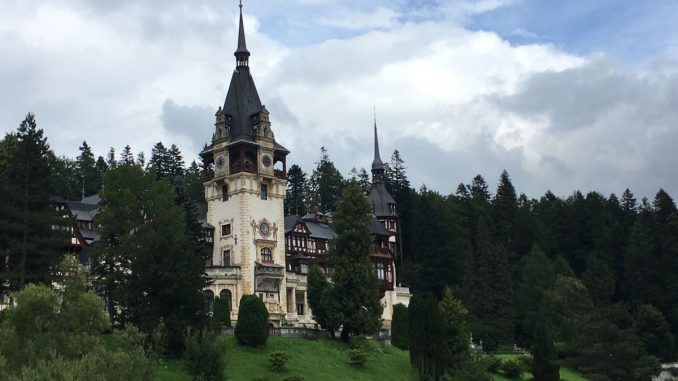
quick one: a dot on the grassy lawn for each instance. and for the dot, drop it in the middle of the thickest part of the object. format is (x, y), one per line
(566, 374)
(315, 360)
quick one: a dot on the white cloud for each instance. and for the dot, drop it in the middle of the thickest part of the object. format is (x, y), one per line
(455, 102)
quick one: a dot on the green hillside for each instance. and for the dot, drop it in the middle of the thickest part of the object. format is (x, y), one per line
(315, 360)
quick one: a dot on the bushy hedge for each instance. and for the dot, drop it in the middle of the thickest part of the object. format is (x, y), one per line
(205, 356)
(252, 326)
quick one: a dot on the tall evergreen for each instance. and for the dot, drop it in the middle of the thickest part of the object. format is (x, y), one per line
(454, 314)
(428, 349)
(321, 300)
(326, 183)
(355, 285)
(90, 178)
(296, 197)
(537, 277)
(127, 157)
(28, 244)
(492, 292)
(544, 362)
(400, 328)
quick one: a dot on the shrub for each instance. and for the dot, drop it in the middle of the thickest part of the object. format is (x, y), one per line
(205, 356)
(357, 358)
(278, 361)
(221, 317)
(252, 326)
(400, 337)
(512, 369)
(493, 364)
(296, 377)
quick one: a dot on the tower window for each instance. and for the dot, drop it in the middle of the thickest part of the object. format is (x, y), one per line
(264, 192)
(266, 255)
(381, 271)
(225, 230)
(224, 193)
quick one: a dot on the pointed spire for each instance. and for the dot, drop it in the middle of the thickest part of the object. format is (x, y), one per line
(377, 164)
(241, 54)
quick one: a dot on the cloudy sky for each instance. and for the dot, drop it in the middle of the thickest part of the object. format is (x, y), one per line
(565, 95)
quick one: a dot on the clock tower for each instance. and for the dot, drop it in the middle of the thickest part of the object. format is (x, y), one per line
(245, 181)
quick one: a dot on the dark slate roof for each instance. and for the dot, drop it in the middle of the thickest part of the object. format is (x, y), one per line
(290, 222)
(82, 211)
(316, 229)
(242, 101)
(94, 199)
(376, 163)
(90, 235)
(379, 198)
(377, 228)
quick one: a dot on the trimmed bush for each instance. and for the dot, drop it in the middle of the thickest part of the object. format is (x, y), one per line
(252, 326)
(400, 334)
(357, 358)
(512, 369)
(278, 361)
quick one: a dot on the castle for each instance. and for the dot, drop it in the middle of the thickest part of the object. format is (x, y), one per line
(255, 248)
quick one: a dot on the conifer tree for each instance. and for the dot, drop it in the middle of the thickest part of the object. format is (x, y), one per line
(428, 349)
(492, 298)
(296, 197)
(127, 157)
(90, 178)
(252, 326)
(537, 277)
(28, 245)
(355, 284)
(453, 314)
(326, 183)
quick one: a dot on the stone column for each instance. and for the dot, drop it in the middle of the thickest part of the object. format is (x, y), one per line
(294, 302)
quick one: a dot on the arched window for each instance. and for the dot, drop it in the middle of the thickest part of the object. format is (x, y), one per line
(224, 193)
(266, 255)
(226, 295)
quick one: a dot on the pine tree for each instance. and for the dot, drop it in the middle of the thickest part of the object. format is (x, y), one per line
(90, 177)
(355, 284)
(492, 298)
(654, 332)
(28, 245)
(160, 160)
(453, 314)
(537, 277)
(326, 183)
(296, 197)
(64, 178)
(127, 157)
(110, 158)
(176, 162)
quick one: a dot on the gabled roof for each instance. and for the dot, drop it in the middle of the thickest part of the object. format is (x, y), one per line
(377, 228)
(380, 199)
(82, 211)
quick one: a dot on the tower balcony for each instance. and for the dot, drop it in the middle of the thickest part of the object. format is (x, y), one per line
(243, 167)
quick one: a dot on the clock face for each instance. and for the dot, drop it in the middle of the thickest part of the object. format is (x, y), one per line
(266, 161)
(264, 228)
(220, 162)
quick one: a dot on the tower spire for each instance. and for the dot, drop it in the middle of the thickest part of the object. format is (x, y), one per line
(377, 164)
(242, 55)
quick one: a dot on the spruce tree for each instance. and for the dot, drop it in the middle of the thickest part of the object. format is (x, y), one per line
(296, 197)
(537, 277)
(492, 299)
(127, 157)
(326, 183)
(355, 284)
(453, 314)
(28, 244)
(90, 178)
